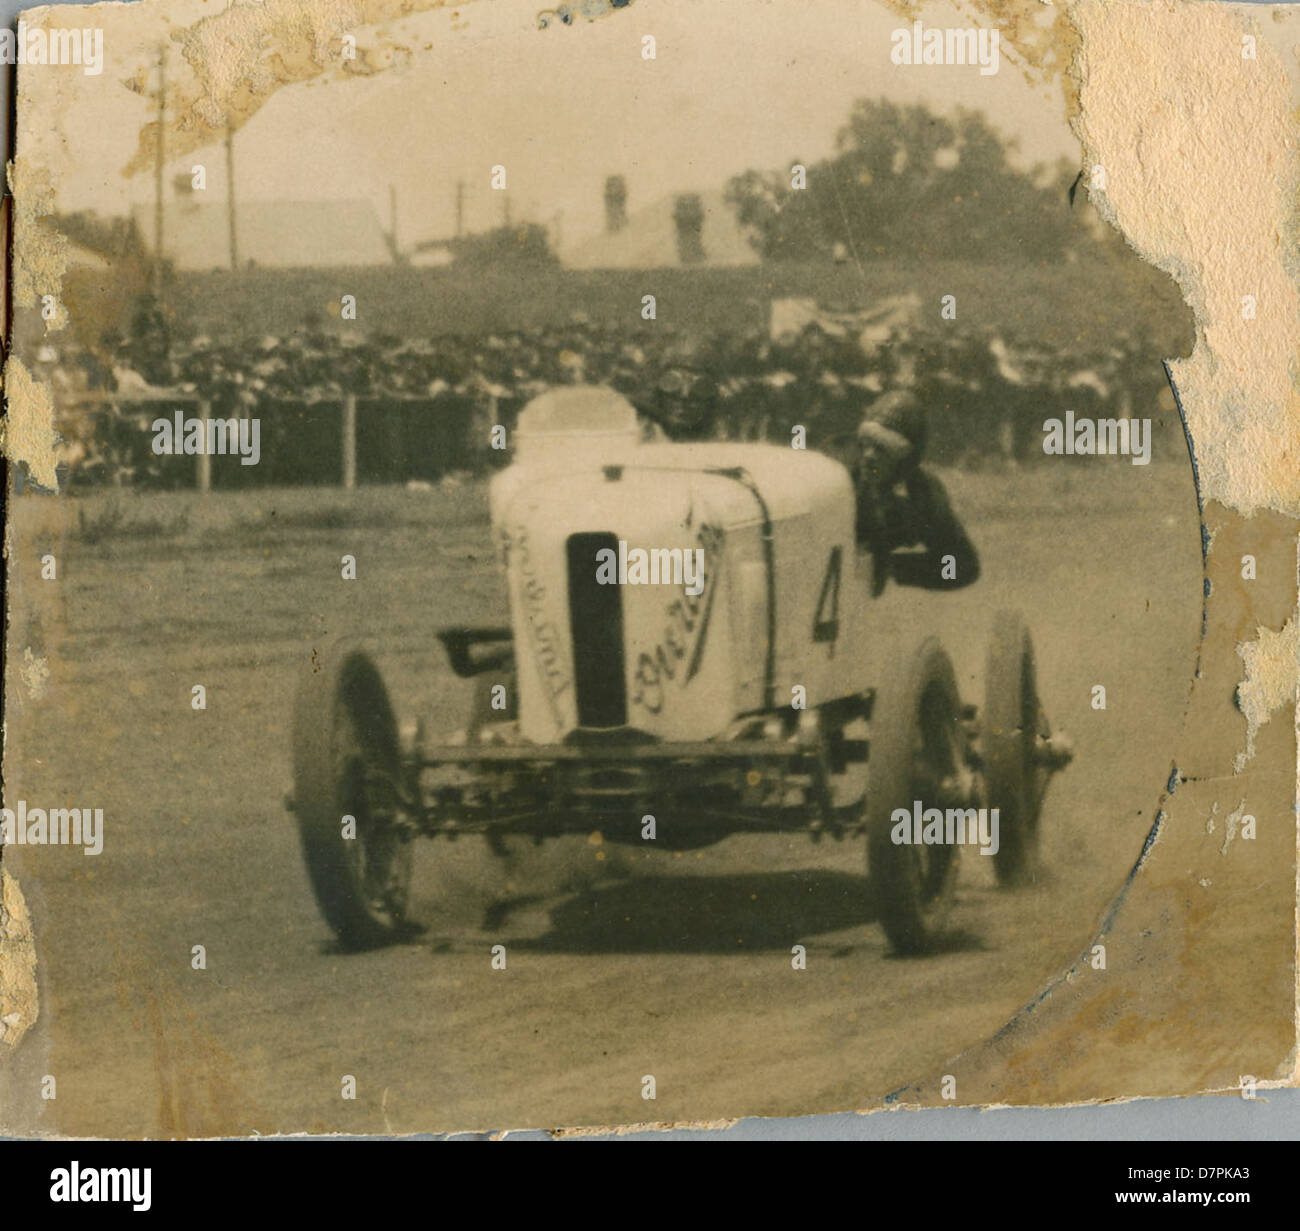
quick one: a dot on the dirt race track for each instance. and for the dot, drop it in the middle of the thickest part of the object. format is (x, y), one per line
(621, 963)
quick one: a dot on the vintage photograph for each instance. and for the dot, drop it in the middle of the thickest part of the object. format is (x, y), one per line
(631, 563)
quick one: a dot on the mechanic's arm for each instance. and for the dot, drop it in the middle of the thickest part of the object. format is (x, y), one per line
(941, 535)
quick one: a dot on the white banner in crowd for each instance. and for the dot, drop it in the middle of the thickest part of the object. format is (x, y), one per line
(873, 326)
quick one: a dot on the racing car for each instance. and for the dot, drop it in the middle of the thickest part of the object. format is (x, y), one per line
(659, 703)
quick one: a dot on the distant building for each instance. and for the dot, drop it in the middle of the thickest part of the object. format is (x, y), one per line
(436, 254)
(654, 238)
(270, 234)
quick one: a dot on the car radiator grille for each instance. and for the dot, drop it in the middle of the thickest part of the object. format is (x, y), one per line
(596, 618)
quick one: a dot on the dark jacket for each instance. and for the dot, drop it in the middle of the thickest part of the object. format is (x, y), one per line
(916, 513)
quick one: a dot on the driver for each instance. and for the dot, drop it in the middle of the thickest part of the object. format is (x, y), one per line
(684, 403)
(904, 517)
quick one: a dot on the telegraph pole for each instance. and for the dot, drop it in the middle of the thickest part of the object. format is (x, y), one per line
(230, 184)
(158, 176)
(230, 194)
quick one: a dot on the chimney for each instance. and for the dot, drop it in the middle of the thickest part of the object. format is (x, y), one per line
(615, 204)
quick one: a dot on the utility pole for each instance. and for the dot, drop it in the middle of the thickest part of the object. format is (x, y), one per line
(460, 208)
(230, 185)
(158, 176)
(230, 194)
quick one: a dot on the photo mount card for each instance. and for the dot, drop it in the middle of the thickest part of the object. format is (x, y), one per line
(646, 563)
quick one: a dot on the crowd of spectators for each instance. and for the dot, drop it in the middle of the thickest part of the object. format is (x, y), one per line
(986, 394)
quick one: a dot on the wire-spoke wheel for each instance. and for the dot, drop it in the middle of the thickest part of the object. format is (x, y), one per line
(1013, 723)
(347, 797)
(916, 752)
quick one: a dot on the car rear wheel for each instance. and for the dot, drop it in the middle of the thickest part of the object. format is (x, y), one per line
(1012, 724)
(915, 754)
(347, 798)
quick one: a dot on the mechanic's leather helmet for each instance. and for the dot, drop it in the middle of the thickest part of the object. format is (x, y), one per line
(900, 412)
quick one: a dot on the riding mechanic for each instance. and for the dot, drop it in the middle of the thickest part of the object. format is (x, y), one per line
(904, 517)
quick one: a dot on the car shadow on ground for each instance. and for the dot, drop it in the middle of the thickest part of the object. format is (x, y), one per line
(701, 914)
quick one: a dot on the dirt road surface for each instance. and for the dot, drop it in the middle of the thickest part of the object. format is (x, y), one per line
(621, 963)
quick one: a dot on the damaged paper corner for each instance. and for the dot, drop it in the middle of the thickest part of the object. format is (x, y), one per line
(1187, 122)
(27, 433)
(1270, 680)
(38, 260)
(244, 54)
(1189, 125)
(18, 995)
(39, 253)
(34, 671)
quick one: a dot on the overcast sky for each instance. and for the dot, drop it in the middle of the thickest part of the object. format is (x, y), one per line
(735, 84)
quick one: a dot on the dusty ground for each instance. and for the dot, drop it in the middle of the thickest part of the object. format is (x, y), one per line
(677, 968)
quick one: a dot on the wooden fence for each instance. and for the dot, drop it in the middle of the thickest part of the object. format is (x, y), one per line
(339, 440)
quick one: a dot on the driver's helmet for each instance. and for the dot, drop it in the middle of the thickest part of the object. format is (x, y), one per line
(684, 402)
(896, 429)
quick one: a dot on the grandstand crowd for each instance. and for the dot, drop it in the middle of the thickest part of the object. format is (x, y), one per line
(434, 400)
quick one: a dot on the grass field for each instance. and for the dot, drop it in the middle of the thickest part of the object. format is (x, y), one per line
(119, 520)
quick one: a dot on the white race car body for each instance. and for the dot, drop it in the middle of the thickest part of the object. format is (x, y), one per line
(640, 702)
(611, 629)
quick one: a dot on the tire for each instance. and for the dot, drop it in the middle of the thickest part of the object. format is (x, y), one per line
(347, 762)
(915, 742)
(1012, 721)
